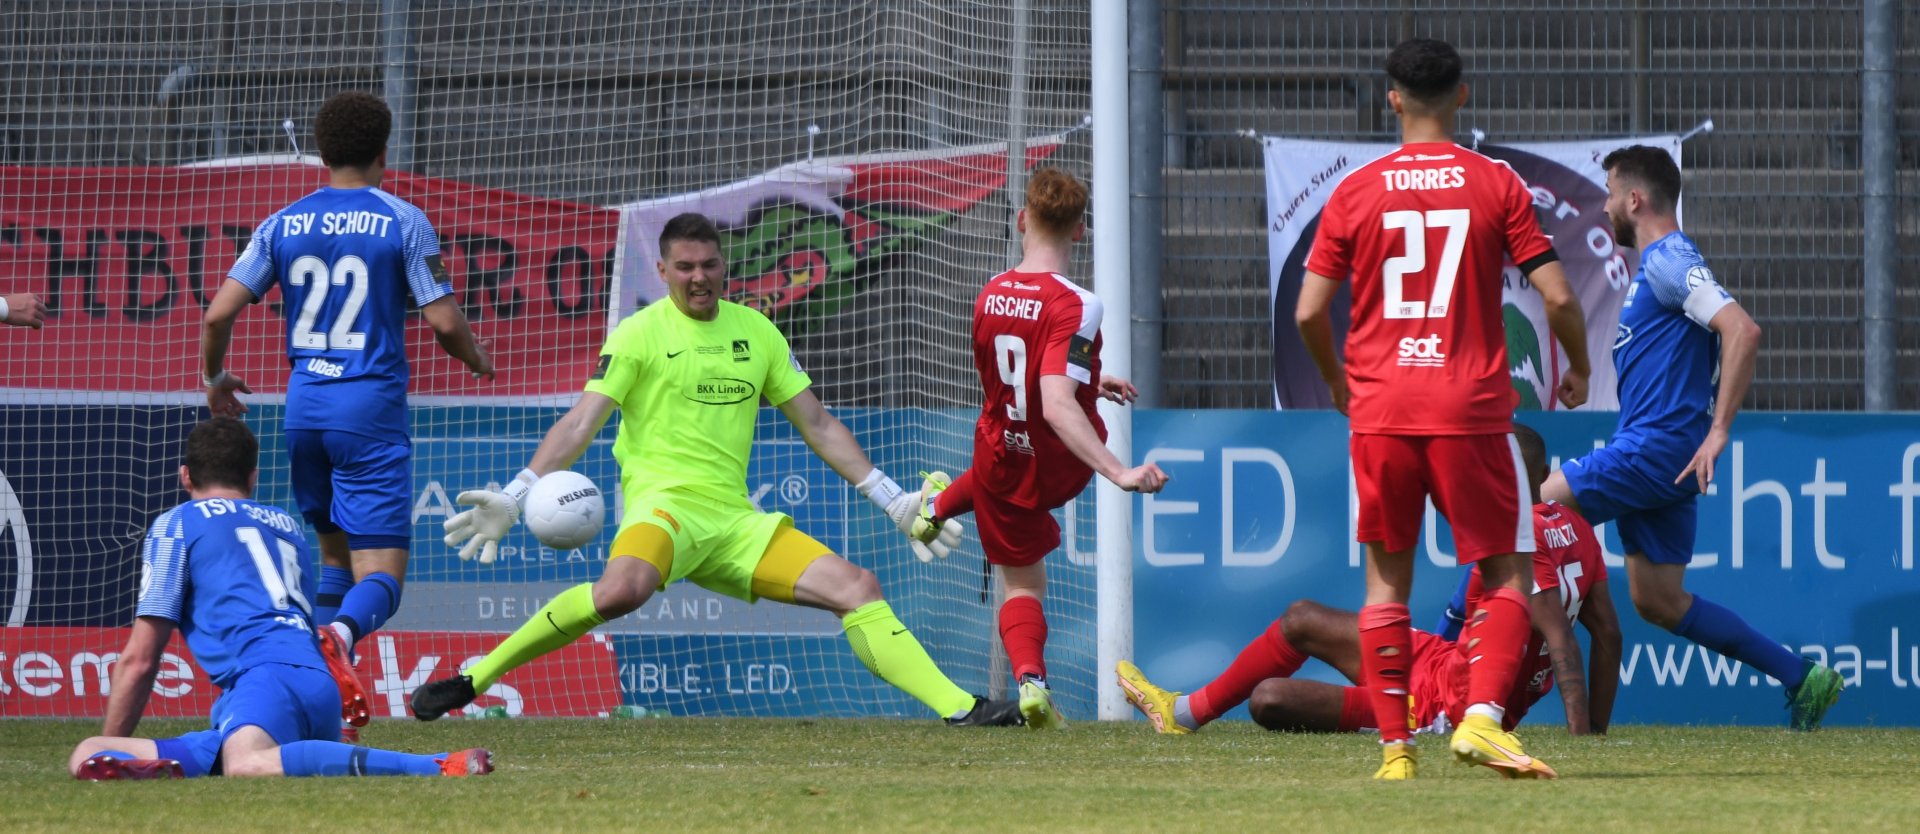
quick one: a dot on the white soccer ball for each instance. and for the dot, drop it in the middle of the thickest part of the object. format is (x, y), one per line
(565, 510)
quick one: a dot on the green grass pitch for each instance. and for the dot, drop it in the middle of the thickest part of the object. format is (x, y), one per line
(746, 775)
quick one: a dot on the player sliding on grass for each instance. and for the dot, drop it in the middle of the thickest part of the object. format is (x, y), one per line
(1685, 353)
(683, 466)
(1421, 233)
(226, 571)
(1570, 584)
(1036, 344)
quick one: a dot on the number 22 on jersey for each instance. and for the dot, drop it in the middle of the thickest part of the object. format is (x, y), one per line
(1414, 261)
(308, 331)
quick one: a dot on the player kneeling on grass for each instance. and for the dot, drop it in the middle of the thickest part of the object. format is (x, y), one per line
(1039, 439)
(1570, 585)
(682, 450)
(226, 570)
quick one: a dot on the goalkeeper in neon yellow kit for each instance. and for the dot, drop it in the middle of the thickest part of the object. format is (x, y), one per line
(689, 373)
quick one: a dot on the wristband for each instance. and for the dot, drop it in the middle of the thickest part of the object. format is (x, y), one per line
(878, 488)
(216, 379)
(517, 488)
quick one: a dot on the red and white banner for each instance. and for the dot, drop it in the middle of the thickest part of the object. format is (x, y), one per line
(57, 672)
(127, 258)
(1569, 192)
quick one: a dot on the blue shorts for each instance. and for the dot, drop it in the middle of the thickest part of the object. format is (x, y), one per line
(291, 703)
(355, 483)
(1656, 517)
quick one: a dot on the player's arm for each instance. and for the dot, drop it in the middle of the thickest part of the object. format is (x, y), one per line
(133, 675)
(1314, 315)
(1603, 632)
(216, 335)
(479, 530)
(1059, 401)
(450, 329)
(834, 444)
(1569, 326)
(1563, 651)
(1739, 344)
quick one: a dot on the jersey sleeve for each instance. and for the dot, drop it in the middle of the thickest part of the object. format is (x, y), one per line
(418, 242)
(619, 367)
(1331, 255)
(1546, 572)
(163, 563)
(1070, 330)
(1455, 617)
(254, 267)
(1683, 283)
(785, 380)
(1525, 241)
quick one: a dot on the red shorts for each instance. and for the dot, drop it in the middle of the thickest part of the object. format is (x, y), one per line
(1437, 683)
(1477, 482)
(1010, 535)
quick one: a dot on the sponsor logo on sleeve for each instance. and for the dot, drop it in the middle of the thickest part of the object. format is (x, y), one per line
(1080, 352)
(600, 367)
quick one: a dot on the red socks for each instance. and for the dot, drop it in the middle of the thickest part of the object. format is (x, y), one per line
(957, 499)
(1493, 640)
(1023, 628)
(1268, 656)
(1386, 660)
(1356, 710)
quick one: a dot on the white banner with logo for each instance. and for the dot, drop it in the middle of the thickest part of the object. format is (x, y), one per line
(1569, 193)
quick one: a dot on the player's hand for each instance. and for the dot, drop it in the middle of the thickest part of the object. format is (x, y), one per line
(1144, 478)
(26, 310)
(1701, 467)
(1339, 389)
(481, 528)
(1117, 390)
(482, 366)
(221, 399)
(1572, 392)
(930, 538)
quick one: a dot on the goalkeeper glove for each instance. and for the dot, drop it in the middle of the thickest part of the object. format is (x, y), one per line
(493, 514)
(912, 513)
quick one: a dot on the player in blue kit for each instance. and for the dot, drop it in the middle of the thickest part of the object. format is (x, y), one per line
(1685, 353)
(226, 571)
(350, 260)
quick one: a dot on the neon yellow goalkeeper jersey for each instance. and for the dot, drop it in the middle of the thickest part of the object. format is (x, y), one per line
(690, 391)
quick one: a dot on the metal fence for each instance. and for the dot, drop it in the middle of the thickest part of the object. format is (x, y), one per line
(1774, 194)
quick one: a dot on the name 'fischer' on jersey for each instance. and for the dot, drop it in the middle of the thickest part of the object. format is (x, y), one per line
(339, 223)
(1020, 308)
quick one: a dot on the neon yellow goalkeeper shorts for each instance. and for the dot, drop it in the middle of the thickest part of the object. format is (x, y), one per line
(737, 551)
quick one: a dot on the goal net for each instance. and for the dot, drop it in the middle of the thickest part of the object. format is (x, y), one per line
(856, 156)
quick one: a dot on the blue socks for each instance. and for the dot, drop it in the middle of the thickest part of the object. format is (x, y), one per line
(369, 604)
(334, 583)
(1723, 631)
(331, 758)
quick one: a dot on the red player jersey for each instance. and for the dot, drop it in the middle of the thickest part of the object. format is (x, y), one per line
(1567, 557)
(1421, 232)
(1027, 325)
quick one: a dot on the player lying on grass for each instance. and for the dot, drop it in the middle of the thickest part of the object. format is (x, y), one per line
(226, 571)
(682, 448)
(1570, 584)
(1036, 344)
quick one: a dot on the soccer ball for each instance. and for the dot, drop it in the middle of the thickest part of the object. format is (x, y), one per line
(564, 510)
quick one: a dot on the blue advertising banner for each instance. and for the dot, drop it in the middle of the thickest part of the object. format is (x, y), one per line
(1808, 533)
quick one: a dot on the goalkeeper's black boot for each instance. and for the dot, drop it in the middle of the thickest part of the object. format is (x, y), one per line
(987, 713)
(440, 697)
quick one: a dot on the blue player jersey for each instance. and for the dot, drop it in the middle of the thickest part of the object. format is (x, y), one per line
(1667, 357)
(228, 572)
(348, 262)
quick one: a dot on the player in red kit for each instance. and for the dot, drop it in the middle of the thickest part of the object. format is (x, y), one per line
(1570, 585)
(1425, 384)
(1036, 344)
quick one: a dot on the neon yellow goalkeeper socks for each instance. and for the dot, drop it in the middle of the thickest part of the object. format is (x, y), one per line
(561, 621)
(892, 654)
